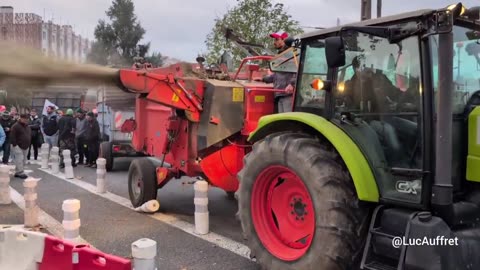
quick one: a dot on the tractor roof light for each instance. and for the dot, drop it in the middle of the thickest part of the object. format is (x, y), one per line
(457, 9)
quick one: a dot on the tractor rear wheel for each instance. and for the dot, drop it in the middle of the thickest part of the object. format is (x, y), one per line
(142, 181)
(298, 206)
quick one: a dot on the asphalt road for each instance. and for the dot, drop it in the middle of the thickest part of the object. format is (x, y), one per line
(112, 227)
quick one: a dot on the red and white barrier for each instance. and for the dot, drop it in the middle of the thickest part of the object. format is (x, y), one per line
(21, 249)
(26, 250)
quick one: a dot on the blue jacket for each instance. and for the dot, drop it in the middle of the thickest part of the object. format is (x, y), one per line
(2, 136)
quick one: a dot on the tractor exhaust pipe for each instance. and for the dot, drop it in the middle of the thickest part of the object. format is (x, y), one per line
(442, 191)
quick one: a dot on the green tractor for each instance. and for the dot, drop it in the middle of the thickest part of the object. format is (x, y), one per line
(378, 166)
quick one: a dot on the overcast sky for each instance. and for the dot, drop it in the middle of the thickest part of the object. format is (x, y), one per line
(177, 28)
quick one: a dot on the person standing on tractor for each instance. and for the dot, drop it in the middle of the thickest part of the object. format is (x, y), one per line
(80, 131)
(92, 135)
(6, 122)
(20, 138)
(34, 123)
(281, 80)
(50, 127)
(66, 137)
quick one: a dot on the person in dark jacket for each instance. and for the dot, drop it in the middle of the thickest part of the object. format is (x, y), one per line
(50, 127)
(21, 138)
(7, 122)
(92, 137)
(66, 137)
(34, 124)
(281, 80)
(80, 130)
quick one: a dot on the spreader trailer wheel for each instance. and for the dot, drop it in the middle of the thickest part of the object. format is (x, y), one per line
(106, 152)
(298, 206)
(142, 181)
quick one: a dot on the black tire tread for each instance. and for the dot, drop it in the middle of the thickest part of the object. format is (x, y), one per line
(345, 231)
(148, 172)
(106, 153)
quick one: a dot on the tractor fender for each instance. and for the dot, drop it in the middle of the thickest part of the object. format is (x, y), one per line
(357, 164)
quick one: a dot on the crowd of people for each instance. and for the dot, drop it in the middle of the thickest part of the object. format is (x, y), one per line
(22, 133)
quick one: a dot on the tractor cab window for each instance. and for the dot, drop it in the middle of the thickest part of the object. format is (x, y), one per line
(313, 67)
(377, 102)
(379, 86)
(466, 67)
(466, 82)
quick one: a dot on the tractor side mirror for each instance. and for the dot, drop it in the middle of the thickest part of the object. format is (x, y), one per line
(335, 51)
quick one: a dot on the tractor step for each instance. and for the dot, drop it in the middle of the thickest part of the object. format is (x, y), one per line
(386, 225)
(378, 266)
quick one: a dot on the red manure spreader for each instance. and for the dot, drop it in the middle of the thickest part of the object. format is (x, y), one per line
(195, 121)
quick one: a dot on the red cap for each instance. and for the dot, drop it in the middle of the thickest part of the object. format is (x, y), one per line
(3, 108)
(279, 34)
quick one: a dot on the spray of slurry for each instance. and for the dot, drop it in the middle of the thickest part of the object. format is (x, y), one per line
(21, 66)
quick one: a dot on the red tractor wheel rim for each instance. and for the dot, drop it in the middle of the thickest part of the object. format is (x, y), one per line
(283, 213)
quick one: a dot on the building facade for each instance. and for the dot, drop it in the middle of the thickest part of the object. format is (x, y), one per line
(29, 29)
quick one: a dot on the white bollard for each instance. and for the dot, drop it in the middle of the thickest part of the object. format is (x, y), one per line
(101, 175)
(201, 207)
(151, 206)
(5, 197)
(71, 219)
(31, 207)
(144, 252)
(67, 160)
(44, 153)
(55, 158)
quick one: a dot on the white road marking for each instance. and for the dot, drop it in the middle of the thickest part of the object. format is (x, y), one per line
(50, 223)
(219, 240)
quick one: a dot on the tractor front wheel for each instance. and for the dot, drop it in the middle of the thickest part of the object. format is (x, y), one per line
(142, 181)
(298, 206)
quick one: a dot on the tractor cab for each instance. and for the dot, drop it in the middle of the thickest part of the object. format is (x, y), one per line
(383, 144)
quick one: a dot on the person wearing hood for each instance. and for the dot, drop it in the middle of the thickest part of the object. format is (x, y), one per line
(66, 136)
(20, 138)
(6, 121)
(92, 137)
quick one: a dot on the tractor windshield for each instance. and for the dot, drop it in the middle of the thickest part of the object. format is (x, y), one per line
(287, 61)
(313, 67)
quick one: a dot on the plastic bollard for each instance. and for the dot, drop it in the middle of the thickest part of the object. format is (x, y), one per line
(144, 252)
(71, 219)
(31, 208)
(55, 158)
(151, 206)
(44, 154)
(101, 175)
(201, 207)
(67, 160)
(5, 197)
